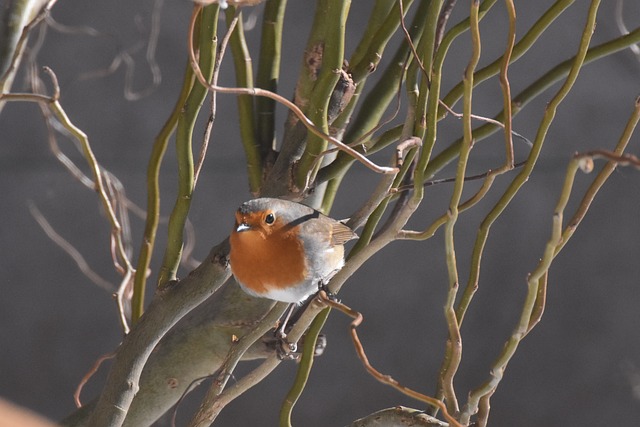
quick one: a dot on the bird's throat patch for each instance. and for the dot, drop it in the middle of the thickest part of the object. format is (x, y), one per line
(262, 262)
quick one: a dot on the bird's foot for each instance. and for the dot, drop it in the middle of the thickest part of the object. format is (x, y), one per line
(330, 295)
(285, 349)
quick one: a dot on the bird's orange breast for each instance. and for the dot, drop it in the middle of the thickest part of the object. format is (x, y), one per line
(262, 262)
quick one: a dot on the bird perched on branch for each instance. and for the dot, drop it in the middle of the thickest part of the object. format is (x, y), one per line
(283, 250)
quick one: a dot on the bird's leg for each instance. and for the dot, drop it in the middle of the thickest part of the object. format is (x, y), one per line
(281, 331)
(286, 349)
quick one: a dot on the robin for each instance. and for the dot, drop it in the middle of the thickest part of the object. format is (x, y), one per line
(283, 250)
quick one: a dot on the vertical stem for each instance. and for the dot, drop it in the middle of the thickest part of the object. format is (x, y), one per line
(499, 366)
(244, 78)
(153, 198)
(269, 73)
(523, 176)
(304, 367)
(453, 353)
(186, 123)
(426, 50)
(374, 105)
(504, 83)
(335, 13)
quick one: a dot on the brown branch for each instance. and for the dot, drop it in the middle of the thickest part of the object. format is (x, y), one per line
(625, 159)
(85, 379)
(407, 37)
(186, 391)
(217, 397)
(385, 379)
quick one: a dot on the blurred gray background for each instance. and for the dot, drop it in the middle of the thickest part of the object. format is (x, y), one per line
(580, 366)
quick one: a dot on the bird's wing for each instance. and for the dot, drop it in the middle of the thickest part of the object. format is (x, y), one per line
(340, 233)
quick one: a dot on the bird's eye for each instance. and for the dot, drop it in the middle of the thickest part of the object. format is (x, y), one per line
(270, 218)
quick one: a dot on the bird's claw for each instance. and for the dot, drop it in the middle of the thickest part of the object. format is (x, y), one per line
(330, 295)
(285, 349)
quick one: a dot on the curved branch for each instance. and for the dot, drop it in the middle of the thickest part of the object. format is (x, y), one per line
(290, 105)
(170, 304)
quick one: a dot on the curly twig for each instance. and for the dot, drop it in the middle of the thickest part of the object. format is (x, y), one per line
(117, 240)
(385, 379)
(88, 375)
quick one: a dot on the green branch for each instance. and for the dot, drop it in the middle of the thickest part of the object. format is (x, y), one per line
(531, 92)
(499, 366)
(207, 45)
(304, 367)
(244, 78)
(153, 198)
(453, 352)
(269, 73)
(519, 49)
(335, 14)
(365, 60)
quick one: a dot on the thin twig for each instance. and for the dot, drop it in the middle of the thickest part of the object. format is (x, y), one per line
(486, 389)
(217, 397)
(115, 193)
(231, 393)
(290, 105)
(52, 126)
(624, 159)
(207, 44)
(124, 56)
(365, 137)
(602, 176)
(187, 390)
(453, 178)
(85, 379)
(304, 368)
(117, 240)
(385, 379)
(384, 187)
(623, 28)
(506, 87)
(67, 247)
(486, 120)
(453, 351)
(489, 176)
(407, 37)
(216, 73)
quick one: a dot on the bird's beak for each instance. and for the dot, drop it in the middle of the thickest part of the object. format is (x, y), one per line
(243, 227)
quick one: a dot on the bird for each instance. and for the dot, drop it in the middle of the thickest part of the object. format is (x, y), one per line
(284, 250)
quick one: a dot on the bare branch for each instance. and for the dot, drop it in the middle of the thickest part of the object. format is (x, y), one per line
(385, 379)
(88, 375)
(69, 249)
